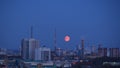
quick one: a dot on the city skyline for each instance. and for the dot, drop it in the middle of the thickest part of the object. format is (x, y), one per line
(97, 22)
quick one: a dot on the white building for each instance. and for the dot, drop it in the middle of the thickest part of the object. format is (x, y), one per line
(59, 52)
(43, 54)
(3, 51)
(28, 47)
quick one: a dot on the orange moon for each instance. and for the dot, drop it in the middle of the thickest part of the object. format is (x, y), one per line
(67, 38)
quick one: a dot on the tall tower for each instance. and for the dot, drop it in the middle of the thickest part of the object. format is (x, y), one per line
(31, 32)
(28, 46)
(55, 42)
(82, 48)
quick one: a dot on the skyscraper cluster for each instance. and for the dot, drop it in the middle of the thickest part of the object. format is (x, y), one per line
(28, 47)
(31, 50)
(110, 52)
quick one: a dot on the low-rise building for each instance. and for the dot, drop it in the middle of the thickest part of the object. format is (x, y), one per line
(43, 54)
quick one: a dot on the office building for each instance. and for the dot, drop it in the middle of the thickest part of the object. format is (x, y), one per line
(28, 47)
(79, 51)
(59, 52)
(43, 54)
(114, 52)
(102, 52)
(3, 51)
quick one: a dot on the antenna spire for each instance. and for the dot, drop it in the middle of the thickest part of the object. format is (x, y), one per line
(31, 30)
(55, 43)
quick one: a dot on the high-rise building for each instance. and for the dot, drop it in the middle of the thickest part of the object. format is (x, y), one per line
(59, 52)
(114, 52)
(102, 52)
(78, 51)
(25, 48)
(43, 54)
(28, 47)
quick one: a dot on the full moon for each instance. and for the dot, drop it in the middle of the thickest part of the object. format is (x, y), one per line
(67, 38)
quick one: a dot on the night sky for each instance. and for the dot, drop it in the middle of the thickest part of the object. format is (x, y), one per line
(95, 21)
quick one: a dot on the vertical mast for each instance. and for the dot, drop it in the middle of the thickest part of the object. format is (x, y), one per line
(82, 43)
(31, 32)
(55, 43)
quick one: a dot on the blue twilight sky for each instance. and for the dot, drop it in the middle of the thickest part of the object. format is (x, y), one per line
(95, 21)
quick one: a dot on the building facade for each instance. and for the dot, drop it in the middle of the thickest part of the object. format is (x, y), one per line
(114, 52)
(28, 47)
(3, 51)
(102, 52)
(59, 52)
(43, 54)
